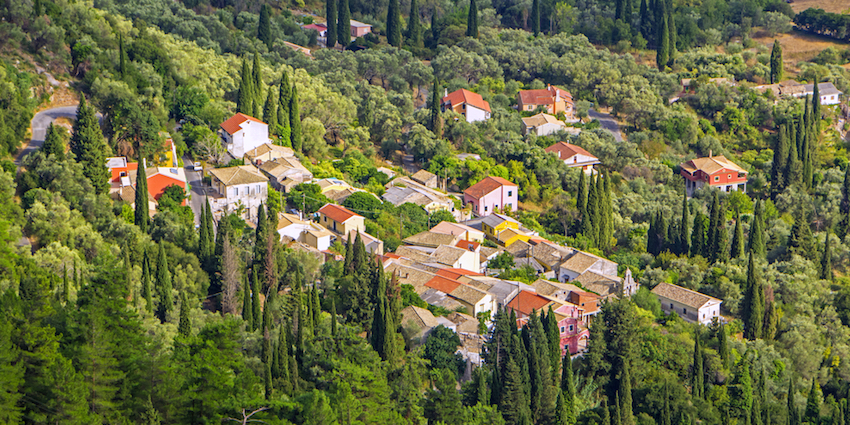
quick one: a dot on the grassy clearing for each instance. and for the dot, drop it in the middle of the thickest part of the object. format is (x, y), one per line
(834, 6)
(801, 46)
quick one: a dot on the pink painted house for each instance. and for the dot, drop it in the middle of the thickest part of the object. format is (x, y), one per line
(490, 194)
(573, 334)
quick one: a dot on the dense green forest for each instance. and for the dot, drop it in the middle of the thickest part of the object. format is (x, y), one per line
(111, 316)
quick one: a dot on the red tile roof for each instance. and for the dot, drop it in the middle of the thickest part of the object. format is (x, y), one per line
(317, 27)
(232, 125)
(543, 96)
(485, 186)
(443, 284)
(465, 96)
(467, 245)
(527, 301)
(454, 273)
(337, 213)
(566, 150)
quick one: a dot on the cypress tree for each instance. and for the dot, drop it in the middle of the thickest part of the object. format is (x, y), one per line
(535, 17)
(845, 201)
(619, 9)
(826, 259)
(554, 343)
(264, 28)
(800, 240)
(712, 243)
(333, 318)
(282, 129)
(684, 226)
(581, 193)
(414, 28)
(270, 109)
(606, 221)
(257, 86)
(146, 282)
(737, 239)
(185, 326)
(472, 20)
(652, 236)
(128, 270)
(245, 99)
(568, 392)
(330, 17)
(590, 229)
(66, 290)
(816, 113)
(723, 345)
(780, 160)
(53, 143)
(698, 374)
(793, 412)
(755, 411)
(122, 57)
(514, 405)
(776, 65)
(142, 211)
(794, 169)
(625, 394)
(247, 305)
(256, 301)
(163, 286)
(645, 21)
(662, 50)
(753, 304)
(771, 316)
(344, 23)
(295, 120)
(436, 120)
(89, 146)
(394, 24)
(618, 411)
(666, 415)
(269, 388)
(756, 243)
(813, 401)
(606, 412)
(671, 27)
(698, 234)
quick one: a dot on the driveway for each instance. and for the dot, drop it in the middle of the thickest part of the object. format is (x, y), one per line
(199, 191)
(608, 122)
(39, 125)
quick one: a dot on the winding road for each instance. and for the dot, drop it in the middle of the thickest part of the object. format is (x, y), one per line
(39, 125)
(608, 122)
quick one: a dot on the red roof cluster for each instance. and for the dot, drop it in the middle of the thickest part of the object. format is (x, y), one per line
(455, 273)
(233, 124)
(543, 96)
(566, 150)
(442, 284)
(485, 186)
(525, 302)
(465, 96)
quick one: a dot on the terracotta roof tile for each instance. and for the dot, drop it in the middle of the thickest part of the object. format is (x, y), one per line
(337, 213)
(243, 174)
(232, 124)
(443, 284)
(527, 301)
(486, 185)
(711, 164)
(468, 97)
(566, 150)
(454, 273)
(683, 295)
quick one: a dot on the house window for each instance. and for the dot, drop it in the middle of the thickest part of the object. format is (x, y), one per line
(567, 347)
(571, 328)
(510, 193)
(684, 311)
(485, 208)
(729, 177)
(563, 329)
(123, 174)
(717, 178)
(728, 188)
(671, 306)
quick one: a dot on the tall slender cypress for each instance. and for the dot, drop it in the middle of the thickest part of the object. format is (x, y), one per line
(780, 159)
(826, 259)
(625, 394)
(436, 119)
(845, 202)
(414, 28)
(257, 86)
(737, 239)
(185, 326)
(698, 373)
(142, 211)
(568, 393)
(256, 302)
(247, 304)
(245, 99)
(472, 20)
(283, 129)
(146, 282)
(163, 286)
(394, 24)
(330, 17)
(756, 241)
(295, 120)
(66, 290)
(344, 23)
(813, 402)
(791, 406)
(646, 21)
(122, 57)
(264, 30)
(776, 64)
(753, 305)
(684, 239)
(270, 109)
(662, 49)
(535, 17)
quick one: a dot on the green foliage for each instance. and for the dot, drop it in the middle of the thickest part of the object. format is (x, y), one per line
(440, 350)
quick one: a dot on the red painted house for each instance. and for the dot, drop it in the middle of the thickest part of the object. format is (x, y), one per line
(119, 167)
(713, 171)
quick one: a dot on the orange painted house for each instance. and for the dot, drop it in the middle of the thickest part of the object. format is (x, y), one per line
(713, 171)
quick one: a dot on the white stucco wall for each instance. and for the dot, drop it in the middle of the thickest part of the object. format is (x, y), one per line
(474, 114)
(252, 135)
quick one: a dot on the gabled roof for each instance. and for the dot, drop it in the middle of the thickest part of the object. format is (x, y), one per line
(422, 176)
(317, 27)
(683, 296)
(543, 96)
(580, 262)
(710, 165)
(358, 24)
(455, 273)
(486, 185)
(494, 220)
(526, 301)
(467, 245)
(448, 255)
(337, 213)
(268, 147)
(278, 166)
(465, 96)
(601, 284)
(455, 229)
(429, 239)
(419, 317)
(540, 119)
(441, 283)
(824, 89)
(233, 124)
(567, 150)
(242, 174)
(468, 294)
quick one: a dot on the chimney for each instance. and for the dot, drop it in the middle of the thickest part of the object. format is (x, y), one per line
(445, 92)
(709, 153)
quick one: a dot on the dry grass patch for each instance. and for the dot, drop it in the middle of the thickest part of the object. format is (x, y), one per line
(800, 46)
(834, 6)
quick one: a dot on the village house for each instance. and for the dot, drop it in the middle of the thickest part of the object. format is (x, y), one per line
(828, 93)
(469, 104)
(267, 152)
(420, 322)
(240, 188)
(373, 245)
(425, 178)
(574, 156)
(320, 28)
(494, 224)
(285, 173)
(119, 169)
(404, 189)
(554, 99)
(474, 300)
(542, 124)
(306, 232)
(491, 194)
(168, 156)
(573, 331)
(713, 171)
(690, 305)
(526, 302)
(341, 220)
(429, 239)
(359, 29)
(123, 181)
(460, 230)
(242, 133)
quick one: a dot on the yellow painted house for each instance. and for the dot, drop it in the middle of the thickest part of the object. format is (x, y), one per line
(502, 229)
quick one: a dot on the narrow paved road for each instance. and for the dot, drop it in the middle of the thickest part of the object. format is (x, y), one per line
(39, 125)
(198, 193)
(608, 122)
